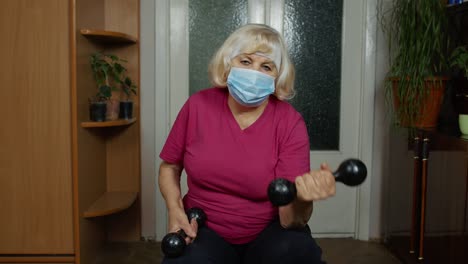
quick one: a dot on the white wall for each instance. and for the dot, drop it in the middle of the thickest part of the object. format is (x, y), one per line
(381, 139)
(148, 129)
(155, 103)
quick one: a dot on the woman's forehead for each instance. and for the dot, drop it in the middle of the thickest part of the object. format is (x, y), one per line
(264, 48)
(257, 56)
(258, 46)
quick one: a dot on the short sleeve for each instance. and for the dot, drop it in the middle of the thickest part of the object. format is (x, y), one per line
(174, 148)
(294, 150)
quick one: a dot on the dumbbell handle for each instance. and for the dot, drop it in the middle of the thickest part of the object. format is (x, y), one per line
(181, 233)
(351, 172)
(173, 244)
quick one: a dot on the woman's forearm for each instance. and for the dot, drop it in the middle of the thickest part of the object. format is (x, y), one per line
(169, 184)
(312, 186)
(295, 214)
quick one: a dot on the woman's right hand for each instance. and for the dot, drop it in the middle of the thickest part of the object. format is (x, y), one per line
(178, 220)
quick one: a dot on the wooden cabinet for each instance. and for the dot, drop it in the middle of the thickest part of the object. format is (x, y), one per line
(67, 185)
(427, 216)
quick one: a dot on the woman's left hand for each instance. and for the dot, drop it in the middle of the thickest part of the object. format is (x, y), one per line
(316, 185)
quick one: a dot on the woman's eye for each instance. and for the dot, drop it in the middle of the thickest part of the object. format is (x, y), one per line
(245, 62)
(266, 67)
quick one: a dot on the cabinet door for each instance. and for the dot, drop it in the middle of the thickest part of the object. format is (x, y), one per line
(35, 138)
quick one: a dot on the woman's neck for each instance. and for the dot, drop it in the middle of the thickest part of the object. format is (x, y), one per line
(245, 116)
(237, 108)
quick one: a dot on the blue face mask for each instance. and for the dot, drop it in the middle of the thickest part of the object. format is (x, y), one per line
(250, 87)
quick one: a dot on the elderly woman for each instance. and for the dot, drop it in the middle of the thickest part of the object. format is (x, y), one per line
(232, 143)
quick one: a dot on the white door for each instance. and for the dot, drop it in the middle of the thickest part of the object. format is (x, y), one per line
(179, 19)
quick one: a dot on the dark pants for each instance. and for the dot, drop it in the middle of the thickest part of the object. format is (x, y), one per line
(275, 244)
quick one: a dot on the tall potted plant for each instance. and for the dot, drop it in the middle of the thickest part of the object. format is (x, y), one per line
(415, 84)
(107, 71)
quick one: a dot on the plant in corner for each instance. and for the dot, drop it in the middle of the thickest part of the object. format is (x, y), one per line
(107, 71)
(459, 63)
(416, 31)
(459, 60)
(126, 105)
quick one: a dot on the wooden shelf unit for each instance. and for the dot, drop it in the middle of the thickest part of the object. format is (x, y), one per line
(111, 203)
(108, 37)
(68, 189)
(108, 162)
(113, 123)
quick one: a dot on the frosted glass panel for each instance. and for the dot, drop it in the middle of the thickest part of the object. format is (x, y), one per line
(210, 23)
(312, 30)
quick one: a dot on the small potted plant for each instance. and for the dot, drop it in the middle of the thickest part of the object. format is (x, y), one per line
(98, 104)
(126, 105)
(107, 72)
(459, 63)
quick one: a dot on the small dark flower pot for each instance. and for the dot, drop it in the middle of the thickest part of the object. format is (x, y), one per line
(97, 111)
(126, 110)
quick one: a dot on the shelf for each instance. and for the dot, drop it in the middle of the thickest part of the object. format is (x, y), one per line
(109, 37)
(111, 203)
(119, 122)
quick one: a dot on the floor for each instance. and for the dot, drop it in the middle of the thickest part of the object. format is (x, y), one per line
(448, 249)
(335, 251)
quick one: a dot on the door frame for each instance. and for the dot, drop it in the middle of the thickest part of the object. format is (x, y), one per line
(158, 110)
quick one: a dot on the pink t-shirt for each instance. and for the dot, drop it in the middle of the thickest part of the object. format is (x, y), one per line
(229, 169)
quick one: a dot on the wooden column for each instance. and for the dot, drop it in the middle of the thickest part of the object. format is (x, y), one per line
(422, 224)
(415, 216)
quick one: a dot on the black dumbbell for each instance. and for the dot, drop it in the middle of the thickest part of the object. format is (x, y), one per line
(173, 244)
(351, 172)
